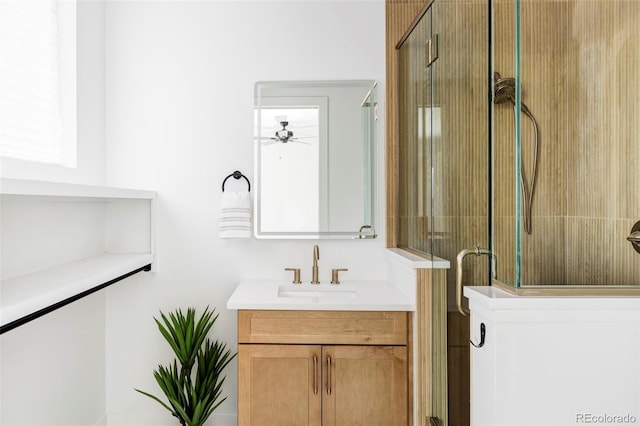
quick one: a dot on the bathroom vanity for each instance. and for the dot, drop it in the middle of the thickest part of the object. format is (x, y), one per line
(553, 360)
(323, 354)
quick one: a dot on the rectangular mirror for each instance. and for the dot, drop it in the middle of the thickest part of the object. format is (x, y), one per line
(314, 159)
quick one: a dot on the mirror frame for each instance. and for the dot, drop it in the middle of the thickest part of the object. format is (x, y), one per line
(367, 230)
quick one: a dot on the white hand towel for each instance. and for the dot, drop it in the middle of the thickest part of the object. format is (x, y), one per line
(235, 215)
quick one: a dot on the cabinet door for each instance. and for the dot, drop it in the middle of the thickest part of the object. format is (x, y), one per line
(364, 386)
(279, 385)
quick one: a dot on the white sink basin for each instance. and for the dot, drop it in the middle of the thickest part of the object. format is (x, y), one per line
(316, 292)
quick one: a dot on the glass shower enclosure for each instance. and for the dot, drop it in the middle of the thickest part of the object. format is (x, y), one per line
(519, 124)
(566, 208)
(519, 134)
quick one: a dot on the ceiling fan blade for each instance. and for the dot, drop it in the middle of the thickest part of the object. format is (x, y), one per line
(302, 126)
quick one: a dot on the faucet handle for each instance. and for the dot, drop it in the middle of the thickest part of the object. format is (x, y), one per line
(296, 275)
(334, 275)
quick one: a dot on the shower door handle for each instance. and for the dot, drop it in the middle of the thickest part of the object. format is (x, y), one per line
(477, 251)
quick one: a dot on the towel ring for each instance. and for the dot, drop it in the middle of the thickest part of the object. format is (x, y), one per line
(236, 175)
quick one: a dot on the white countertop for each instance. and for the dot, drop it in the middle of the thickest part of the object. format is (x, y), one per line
(346, 296)
(493, 298)
(406, 258)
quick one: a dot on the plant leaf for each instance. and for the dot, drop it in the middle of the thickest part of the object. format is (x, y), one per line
(156, 399)
(191, 399)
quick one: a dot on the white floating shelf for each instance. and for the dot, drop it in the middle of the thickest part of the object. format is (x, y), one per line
(31, 293)
(61, 222)
(21, 187)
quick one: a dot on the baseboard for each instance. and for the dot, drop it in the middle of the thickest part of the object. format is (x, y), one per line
(102, 421)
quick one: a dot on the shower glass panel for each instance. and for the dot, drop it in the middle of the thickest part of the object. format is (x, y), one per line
(459, 137)
(575, 65)
(444, 166)
(443, 134)
(415, 136)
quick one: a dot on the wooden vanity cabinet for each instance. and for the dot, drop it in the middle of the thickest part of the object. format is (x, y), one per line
(279, 385)
(322, 368)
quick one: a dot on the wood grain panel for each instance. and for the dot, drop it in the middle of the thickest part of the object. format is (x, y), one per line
(424, 346)
(322, 327)
(367, 386)
(503, 134)
(292, 402)
(459, 385)
(431, 359)
(591, 192)
(458, 363)
(588, 263)
(626, 54)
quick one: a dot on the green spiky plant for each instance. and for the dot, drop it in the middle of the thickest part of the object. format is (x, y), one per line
(192, 396)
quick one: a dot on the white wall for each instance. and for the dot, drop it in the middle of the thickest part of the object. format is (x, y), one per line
(52, 369)
(179, 97)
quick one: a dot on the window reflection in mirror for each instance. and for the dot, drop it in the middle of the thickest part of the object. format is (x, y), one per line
(314, 170)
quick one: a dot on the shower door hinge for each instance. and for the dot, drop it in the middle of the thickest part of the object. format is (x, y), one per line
(432, 50)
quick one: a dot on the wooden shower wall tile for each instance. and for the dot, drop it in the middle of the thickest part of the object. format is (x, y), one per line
(626, 99)
(590, 251)
(544, 259)
(543, 91)
(504, 243)
(592, 136)
(460, 153)
(503, 119)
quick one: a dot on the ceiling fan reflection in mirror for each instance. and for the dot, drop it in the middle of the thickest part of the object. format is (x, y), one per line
(284, 135)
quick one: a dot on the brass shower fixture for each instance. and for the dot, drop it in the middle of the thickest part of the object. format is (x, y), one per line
(504, 90)
(634, 236)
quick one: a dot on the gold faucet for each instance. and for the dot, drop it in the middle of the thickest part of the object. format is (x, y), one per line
(314, 268)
